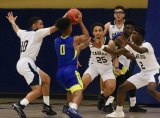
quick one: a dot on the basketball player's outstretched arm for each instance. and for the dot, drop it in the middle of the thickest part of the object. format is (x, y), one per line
(53, 28)
(85, 34)
(12, 20)
(141, 50)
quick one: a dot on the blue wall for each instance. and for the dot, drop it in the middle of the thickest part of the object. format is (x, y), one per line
(12, 82)
(152, 27)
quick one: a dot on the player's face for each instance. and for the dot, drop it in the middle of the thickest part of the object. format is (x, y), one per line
(98, 32)
(119, 14)
(137, 38)
(39, 24)
(128, 29)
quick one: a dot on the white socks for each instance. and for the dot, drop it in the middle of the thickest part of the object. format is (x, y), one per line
(24, 102)
(119, 108)
(132, 101)
(46, 100)
(109, 100)
(73, 105)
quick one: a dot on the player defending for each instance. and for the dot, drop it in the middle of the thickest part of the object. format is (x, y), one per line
(37, 79)
(150, 70)
(100, 62)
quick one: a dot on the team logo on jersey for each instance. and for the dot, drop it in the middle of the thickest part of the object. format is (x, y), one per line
(98, 53)
(140, 56)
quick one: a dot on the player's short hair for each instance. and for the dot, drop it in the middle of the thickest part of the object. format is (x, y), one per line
(97, 24)
(128, 22)
(140, 30)
(33, 20)
(119, 7)
(62, 24)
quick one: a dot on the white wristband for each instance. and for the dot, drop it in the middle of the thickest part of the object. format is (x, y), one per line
(102, 47)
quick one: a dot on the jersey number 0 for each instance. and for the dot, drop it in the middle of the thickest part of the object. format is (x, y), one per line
(62, 49)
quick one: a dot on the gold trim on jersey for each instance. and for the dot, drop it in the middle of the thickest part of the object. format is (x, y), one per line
(75, 54)
(77, 86)
(64, 37)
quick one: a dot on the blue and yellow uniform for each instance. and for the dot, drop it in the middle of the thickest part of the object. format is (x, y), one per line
(67, 74)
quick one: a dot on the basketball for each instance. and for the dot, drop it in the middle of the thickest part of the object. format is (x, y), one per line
(72, 14)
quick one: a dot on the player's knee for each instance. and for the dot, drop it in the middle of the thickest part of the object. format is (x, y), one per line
(46, 79)
(111, 88)
(86, 81)
(151, 90)
(78, 93)
(38, 91)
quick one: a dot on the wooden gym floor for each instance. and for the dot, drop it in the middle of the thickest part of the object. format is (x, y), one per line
(88, 109)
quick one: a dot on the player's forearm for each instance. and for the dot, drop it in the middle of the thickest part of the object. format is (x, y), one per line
(14, 26)
(108, 50)
(129, 56)
(84, 31)
(116, 62)
(137, 48)
(53, 29)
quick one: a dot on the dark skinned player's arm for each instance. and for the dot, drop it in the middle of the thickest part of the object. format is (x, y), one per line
(121, 51)
(119, 42)
(141, 50)
(83, 45)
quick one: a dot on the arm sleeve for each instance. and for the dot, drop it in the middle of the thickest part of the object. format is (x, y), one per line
(127, 47)
(41, 33)
(149, 47)
(20, 33)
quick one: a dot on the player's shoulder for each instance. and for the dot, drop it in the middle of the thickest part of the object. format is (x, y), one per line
(41, 30)
(112, 22)
(146, 44)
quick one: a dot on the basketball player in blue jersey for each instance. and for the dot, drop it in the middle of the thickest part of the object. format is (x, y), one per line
(115, 28)
(149, 74)
(36, 78)
(67, 48)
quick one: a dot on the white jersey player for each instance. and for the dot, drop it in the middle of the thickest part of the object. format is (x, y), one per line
(114, 28)
(100, 62)
(38, 80)
(150, 70)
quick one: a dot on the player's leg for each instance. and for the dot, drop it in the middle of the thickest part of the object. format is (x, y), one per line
(133, 104)
(76, 88)
(27, 68)
(135, 81)
(101, 98)
(109, 102)
(69, 100)
(47, 108)
(152, 85)
(88, 76)
(110, 84)
(123, 89)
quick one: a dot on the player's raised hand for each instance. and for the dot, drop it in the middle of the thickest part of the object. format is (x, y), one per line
(79, 16)
(10, 17)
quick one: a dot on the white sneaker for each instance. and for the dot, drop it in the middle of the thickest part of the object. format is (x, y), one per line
(115, 114)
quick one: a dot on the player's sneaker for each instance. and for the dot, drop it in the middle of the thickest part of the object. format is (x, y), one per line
(72, 113)
(19, 109)
(101, 101)
(115, 114)
(137, 108)
(47, 109)
(108, 108)
(66, 106)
